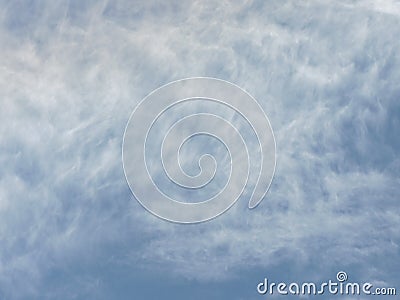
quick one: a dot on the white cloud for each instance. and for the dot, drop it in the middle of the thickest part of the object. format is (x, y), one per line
(326, 74)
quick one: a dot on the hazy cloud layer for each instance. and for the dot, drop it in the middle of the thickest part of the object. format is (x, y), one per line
(71, 73)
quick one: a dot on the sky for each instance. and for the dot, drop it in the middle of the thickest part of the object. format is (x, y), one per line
(325, 72)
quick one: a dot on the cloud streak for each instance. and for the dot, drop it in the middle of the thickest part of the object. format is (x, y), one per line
(325, 73)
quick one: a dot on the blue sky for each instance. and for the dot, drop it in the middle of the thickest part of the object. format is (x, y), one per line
(325, 72)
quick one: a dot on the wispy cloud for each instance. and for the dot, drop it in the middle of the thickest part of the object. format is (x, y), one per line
(326, 74)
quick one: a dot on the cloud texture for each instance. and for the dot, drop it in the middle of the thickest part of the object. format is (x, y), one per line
(326, 73)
